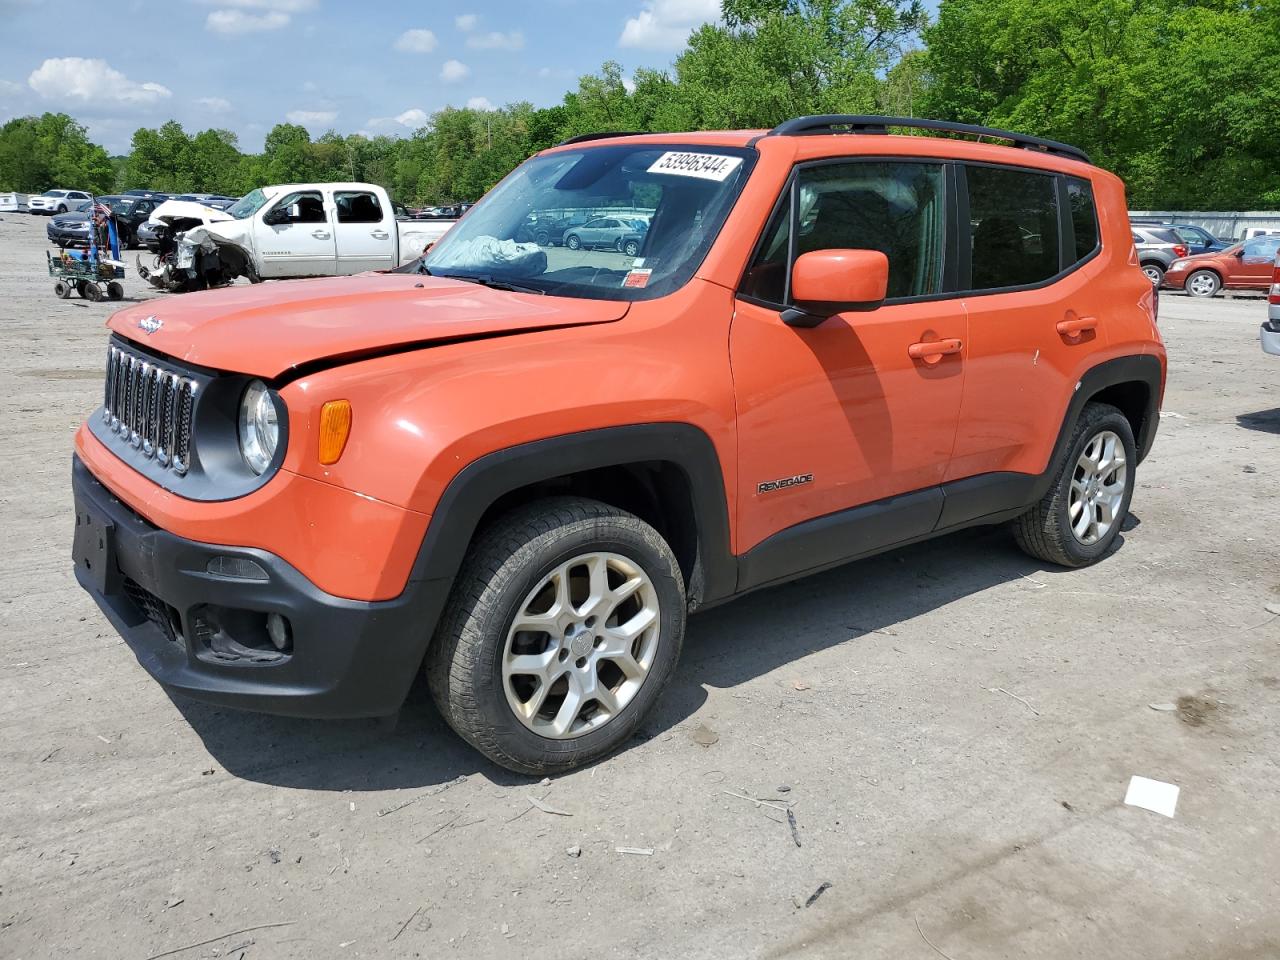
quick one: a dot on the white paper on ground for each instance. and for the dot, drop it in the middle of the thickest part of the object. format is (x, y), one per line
(1152, 795)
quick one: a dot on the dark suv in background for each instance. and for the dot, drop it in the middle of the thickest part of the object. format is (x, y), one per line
(130, 211)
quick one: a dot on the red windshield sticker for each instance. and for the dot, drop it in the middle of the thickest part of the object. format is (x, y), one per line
(637, 278)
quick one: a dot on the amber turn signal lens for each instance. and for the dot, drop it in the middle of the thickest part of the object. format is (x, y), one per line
(335, 426)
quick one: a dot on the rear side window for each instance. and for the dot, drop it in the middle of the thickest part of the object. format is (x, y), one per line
(896, 208)
(1084, 217)
(1013, 227)
(357, 207)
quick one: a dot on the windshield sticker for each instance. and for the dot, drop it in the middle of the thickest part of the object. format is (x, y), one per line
(704, 166)
(637, 278)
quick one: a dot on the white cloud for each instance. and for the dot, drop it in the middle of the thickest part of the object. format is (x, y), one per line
(666, 24)
(453, 71)
(466, 23)
(496, 41)
(628, 85)
(237, 21)
(214, 104)
(411, 119)
(311, 118)
(416, 41)
(9, 88)
(92, 81)
(479, 103)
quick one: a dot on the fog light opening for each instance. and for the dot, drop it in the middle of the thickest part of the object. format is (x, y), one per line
(279, 632)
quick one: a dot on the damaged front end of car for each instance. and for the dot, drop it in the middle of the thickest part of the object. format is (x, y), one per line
(191, 254)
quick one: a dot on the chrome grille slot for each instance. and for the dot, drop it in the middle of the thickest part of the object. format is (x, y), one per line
(150, 407)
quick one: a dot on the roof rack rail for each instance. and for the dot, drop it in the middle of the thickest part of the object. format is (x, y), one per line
(603, 135)
(836, 122)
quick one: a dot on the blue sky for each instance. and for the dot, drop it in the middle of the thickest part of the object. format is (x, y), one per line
(373, 67)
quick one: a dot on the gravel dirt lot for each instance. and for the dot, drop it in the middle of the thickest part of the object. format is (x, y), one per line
(952, 725)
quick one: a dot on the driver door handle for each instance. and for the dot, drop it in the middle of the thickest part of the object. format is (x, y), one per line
(320, 234)
(379, 234)
(932, 351)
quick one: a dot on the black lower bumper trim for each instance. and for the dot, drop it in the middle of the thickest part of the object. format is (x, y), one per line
(347, 658)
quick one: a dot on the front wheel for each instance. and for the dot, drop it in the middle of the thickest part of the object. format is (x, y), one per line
(1154, 272)
(563, 628)
(62, 289)
(573, 243)
(1204, 283)
(61, 208)
(1079, 518)
(115, 290)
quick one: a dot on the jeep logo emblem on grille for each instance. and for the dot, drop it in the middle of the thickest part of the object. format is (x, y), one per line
(150, 324)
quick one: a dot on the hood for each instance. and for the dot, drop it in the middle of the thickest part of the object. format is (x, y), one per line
(268, 329)
(187, 210)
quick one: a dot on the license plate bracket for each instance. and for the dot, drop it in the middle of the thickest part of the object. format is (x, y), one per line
(93, 550)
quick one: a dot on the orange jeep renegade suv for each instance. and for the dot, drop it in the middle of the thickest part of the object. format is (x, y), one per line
(520, 467)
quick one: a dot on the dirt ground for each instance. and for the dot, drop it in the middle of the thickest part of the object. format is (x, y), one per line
(953, 727)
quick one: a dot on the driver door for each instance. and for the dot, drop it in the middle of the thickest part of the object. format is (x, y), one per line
(841, 416)
(295, 237)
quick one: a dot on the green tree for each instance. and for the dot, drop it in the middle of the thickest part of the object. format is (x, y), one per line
(52, 150)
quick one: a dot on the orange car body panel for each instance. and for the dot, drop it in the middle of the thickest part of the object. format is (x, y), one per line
(347, 544)
(842, 401)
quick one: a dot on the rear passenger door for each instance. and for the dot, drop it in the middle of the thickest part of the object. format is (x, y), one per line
(1029, 263)
(839, 415)
(365, 232)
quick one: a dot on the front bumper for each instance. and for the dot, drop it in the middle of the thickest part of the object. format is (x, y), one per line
(63, 237)
(202, 634)
(1270, 336)
(1175, 280)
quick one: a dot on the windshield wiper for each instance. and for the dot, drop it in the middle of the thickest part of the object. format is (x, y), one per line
(493, 283)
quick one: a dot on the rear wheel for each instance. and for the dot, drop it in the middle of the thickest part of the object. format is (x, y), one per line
(1079, 518)
(115, 290)
(1204, 283)
(563, 628)
(631, 248)
(92, 292)
(1154, 272)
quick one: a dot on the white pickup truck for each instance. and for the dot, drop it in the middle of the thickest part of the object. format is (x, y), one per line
(306, 230)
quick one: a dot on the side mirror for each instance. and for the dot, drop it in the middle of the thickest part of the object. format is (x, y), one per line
(274, 216)
(827, 282)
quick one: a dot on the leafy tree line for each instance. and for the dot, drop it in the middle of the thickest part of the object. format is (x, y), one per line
(1179, 97)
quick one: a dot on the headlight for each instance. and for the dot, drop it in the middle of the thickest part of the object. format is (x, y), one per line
(259, 427)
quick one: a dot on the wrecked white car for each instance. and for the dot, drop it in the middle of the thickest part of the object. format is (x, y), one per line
(304, 230)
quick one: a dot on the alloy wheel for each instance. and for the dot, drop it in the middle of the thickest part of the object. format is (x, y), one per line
(1097, 487)
(1202, 285)
(581, 645)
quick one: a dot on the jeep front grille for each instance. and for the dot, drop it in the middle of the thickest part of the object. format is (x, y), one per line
(150, 407)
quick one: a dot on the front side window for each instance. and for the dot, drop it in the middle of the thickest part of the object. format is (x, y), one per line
(523, 231)
(1013, 233)
(305, 206)
(1262, 247)
(898, 208)
(357, 207)
(1084, 217)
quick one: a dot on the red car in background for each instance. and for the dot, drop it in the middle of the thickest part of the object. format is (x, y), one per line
(1242, 266)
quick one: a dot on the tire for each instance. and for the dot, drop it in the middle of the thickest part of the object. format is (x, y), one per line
(1046, 530)
(61, 209)
(631, 248)
(1204, 284)
(572, 241)
(92, 292)
(115, 290)
(82, 288)
(541, 238)
(1154, 272)
(62, 289)
(506, 573)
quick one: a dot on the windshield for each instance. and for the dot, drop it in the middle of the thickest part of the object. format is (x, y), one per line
(626, 222)
(247, 205)
(119, 205)
(54, 193)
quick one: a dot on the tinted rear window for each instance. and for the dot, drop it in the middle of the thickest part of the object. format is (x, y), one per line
(1013, 218)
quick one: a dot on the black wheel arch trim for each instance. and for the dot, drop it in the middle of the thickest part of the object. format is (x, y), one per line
(483, 482)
